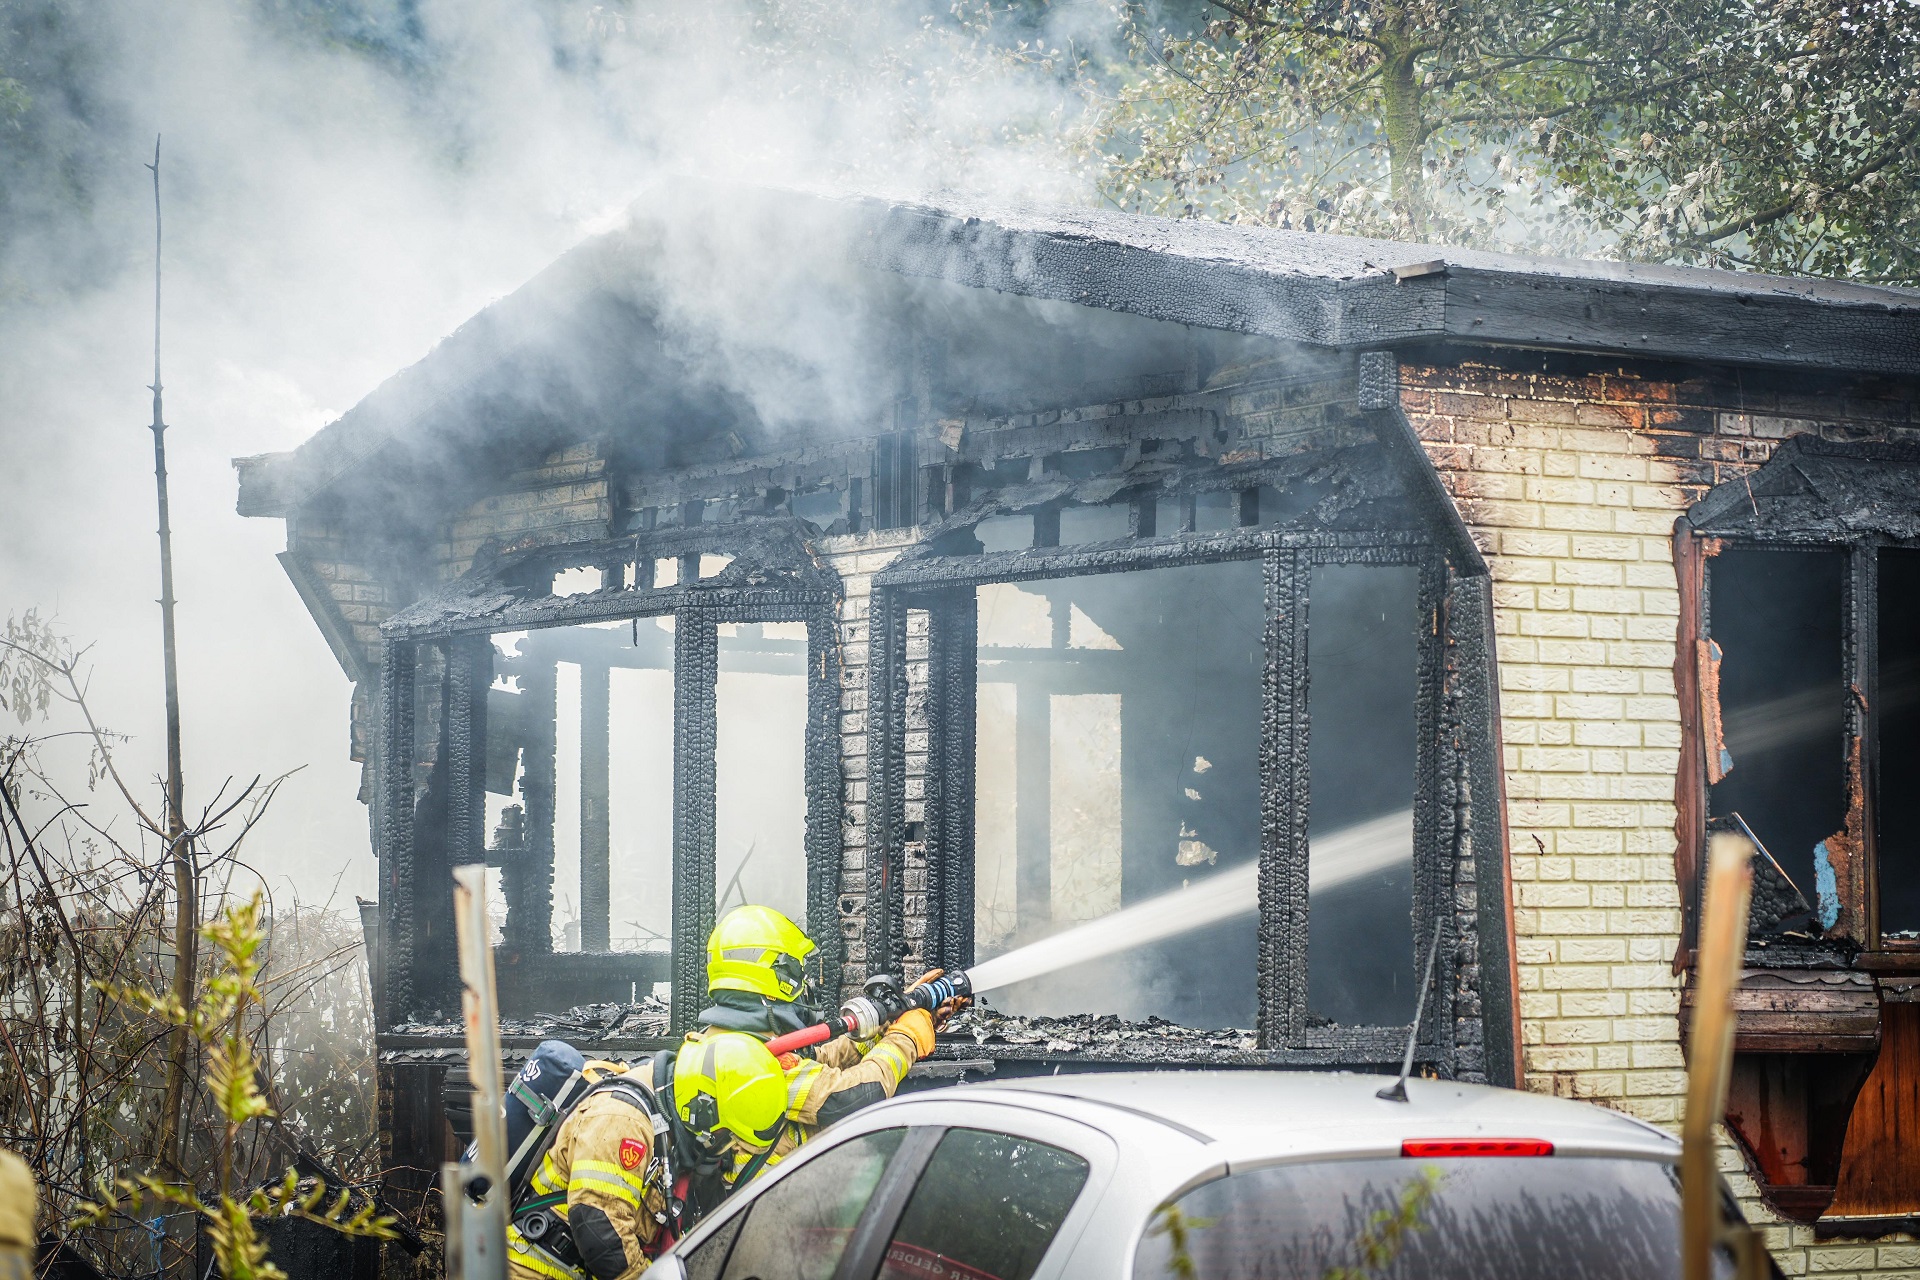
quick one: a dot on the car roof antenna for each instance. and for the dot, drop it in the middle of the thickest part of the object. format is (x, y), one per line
(1397, 1091)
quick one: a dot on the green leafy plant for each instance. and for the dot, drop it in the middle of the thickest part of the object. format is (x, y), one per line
(218, 1023)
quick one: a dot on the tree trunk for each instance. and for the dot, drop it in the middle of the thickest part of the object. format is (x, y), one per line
(1402, 122)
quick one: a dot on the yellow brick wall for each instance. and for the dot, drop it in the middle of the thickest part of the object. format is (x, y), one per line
(1571, 485)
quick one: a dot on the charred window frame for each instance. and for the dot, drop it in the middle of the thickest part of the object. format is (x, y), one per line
(1828, 1029)
(932, 859)
(1814, 499)
(431, 762)
(1844, 893)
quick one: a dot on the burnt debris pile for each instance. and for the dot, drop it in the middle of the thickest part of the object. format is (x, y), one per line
(1097, 1035)
(583, 1024)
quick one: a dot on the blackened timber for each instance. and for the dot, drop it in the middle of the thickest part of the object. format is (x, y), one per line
(1434, 848)
(1284, 782)
(1483, 857)
(952, 662)
(530, 915)
(696, 664)
(824, 791)
(395, 764)
(463, 762)
(1861, 641)
(886, 731)
(595, 793)
(1817, 491)
(469, 672)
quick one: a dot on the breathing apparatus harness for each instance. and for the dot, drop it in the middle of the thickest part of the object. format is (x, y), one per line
(536, 1223)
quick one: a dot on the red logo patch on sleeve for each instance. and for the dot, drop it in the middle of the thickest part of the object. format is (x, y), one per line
(632, 1152)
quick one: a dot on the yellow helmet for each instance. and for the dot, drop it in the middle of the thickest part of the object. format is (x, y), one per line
(725, 1083)
(759, 950)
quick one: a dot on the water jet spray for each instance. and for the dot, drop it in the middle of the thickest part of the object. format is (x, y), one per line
(1338, 858)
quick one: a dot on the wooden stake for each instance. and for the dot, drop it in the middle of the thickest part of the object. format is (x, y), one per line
(1721, 954)
(479, 1249)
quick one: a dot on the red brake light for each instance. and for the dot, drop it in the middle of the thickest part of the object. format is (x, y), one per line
(1432, 1148)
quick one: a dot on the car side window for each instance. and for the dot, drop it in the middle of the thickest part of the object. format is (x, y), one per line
(800, 1226)
(986, 1208)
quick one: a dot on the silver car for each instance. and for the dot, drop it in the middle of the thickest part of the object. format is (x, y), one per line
(1207, 1175)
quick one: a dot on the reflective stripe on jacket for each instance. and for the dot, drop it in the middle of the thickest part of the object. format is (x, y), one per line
(600, 1175)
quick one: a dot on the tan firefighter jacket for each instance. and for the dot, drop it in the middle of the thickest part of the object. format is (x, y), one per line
(602, 1171)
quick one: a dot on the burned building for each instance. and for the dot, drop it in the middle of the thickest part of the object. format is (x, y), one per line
(946, 577)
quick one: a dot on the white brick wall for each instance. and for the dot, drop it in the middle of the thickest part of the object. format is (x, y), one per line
(1576, 523)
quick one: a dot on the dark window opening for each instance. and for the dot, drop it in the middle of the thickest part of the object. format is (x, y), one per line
(1898, 791)
(1776, 619)
(1117, 758)
(1362, 670)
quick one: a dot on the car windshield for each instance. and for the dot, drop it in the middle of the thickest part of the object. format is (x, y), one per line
(1451, 1219)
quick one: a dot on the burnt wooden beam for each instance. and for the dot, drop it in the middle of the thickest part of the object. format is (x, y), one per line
(824, 795)
(1284, 796)
(530, 911)
(696, 664)
(595, 793)
(886, 730)
(394, 769)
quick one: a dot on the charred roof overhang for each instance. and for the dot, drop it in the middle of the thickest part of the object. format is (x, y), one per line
(577, 351)
(1819, 491)
(1341, 291)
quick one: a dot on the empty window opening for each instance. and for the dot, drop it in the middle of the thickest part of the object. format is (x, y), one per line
(1106, 523)
(1005, 533)
(822, 507)
(1776, 621)
(610, 741)
(1172, 515)
(711, 565)
(1216, 510)
(1117, 741)
(666, 572)
(582, 580)
(760, 796)
(1899, 760)
(1362, 673)
(640, 803)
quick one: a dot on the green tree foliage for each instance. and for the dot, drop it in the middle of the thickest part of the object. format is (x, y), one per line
(1771, 133)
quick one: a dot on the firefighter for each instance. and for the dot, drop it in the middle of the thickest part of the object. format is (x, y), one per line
(598, 1206)
(756, 982)
(757, 974)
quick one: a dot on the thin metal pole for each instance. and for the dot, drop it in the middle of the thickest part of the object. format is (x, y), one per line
(186, 893)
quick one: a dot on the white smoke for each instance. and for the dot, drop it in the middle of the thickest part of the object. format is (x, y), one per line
(331, 213)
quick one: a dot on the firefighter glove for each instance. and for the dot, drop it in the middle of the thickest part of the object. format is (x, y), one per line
(918, 1026)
